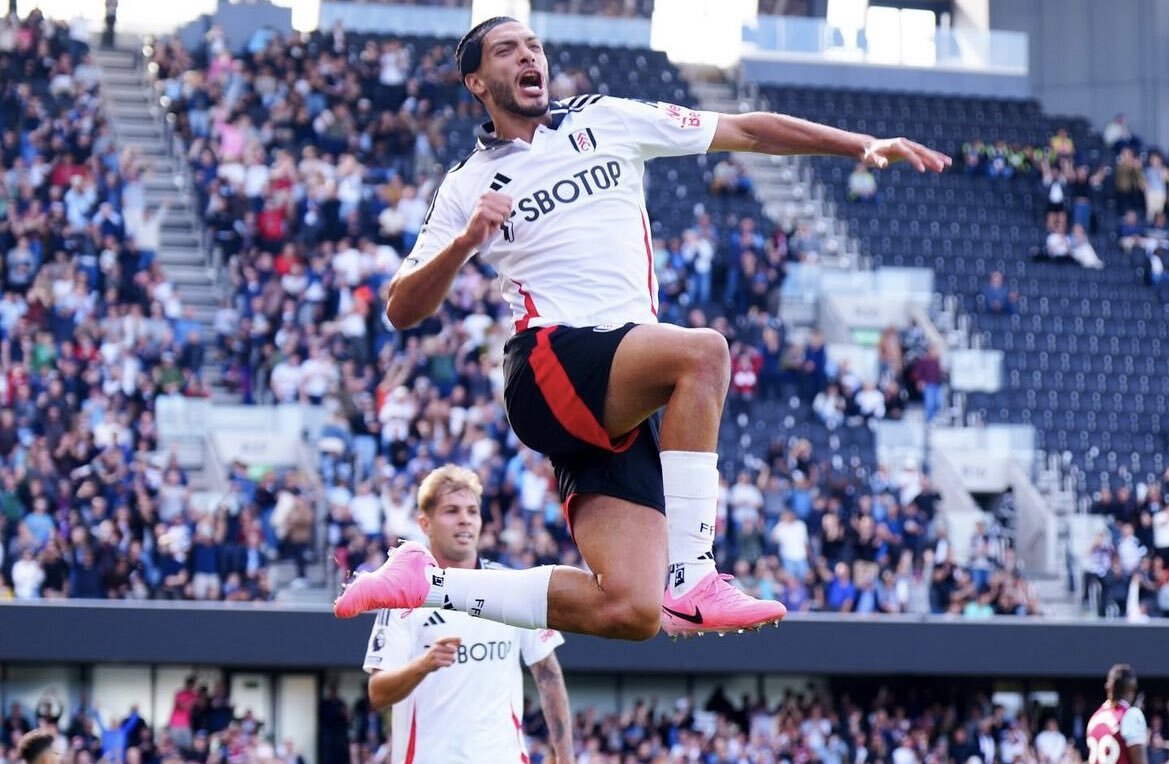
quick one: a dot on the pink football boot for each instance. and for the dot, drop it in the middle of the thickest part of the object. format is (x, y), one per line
(715, 605)
(401, 582)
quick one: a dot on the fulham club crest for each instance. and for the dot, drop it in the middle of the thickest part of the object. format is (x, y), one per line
(583, 141)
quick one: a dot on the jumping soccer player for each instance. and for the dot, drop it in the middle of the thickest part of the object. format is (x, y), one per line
(1117, 732)
(552, 198)
(427, 662)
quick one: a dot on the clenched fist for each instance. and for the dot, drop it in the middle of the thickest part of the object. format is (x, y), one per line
(442, 653)
(491, 212)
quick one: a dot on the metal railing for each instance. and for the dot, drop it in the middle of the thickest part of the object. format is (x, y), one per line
(176, 151)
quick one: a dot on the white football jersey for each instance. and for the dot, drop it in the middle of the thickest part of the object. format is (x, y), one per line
(470, 711)
(576, 250)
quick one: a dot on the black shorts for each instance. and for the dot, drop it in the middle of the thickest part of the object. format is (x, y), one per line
(556, 381)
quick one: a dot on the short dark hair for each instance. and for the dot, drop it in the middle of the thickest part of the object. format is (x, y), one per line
(469, 51)
(1121, 680)
(34, 744)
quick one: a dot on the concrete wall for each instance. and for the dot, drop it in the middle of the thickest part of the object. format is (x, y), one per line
(311, 640)
(1097, 58)
(117, 689)
(296, 710)
(763, 69)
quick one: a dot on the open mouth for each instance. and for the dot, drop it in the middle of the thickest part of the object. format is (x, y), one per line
(464, 537)
(532, 83)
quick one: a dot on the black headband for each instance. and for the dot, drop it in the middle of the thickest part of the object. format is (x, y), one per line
(469, 52)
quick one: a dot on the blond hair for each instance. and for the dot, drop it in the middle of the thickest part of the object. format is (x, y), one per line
(444, 480)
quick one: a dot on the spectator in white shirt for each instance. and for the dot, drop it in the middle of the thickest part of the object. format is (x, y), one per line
(27, 576)
(286, 379)
(829, 405)
(349, 264)
(147, 233)
(1059, 245)
(396, 413)
(366, 508)
(699, 255)
(1129, 549)
(870, 401)
(1050, 744)
(1082, 249)
(79, 200)
(791, 536)
(745, 499)
(319, 376)
(413, 211)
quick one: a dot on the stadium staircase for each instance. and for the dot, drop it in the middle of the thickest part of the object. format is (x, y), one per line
(134, 116)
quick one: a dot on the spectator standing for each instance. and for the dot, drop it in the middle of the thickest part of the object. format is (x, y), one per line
(1058, 196)
(1155, 179)
(791, 537)
(1083, 188)
(698, 254)
(929, 375)
(1129, 181)
(181, 713)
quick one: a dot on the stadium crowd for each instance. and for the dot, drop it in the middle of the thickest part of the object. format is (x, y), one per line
(92, 334)
(902, 725)
(606, 8)
(921, 722)
(203, 727)
(1126, 569)
(1133, 177)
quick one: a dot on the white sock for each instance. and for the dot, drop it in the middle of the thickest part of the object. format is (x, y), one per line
(690, 479)
(515, 597)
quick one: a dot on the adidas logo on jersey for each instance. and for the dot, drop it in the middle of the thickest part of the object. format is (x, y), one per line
(434, 620)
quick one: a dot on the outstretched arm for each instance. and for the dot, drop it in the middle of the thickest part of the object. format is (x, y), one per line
(554, 703)
(766, 133)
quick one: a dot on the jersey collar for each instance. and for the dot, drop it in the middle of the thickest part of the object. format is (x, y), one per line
(485, 135)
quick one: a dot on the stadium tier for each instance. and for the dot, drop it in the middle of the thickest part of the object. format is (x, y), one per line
(1084, 348)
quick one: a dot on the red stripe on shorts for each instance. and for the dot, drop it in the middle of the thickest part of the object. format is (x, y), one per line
(570, 411)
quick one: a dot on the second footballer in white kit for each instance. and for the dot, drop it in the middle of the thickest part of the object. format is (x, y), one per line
(454, 681)
(553, 199)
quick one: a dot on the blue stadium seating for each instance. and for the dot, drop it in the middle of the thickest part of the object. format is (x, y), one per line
(1085, 356)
